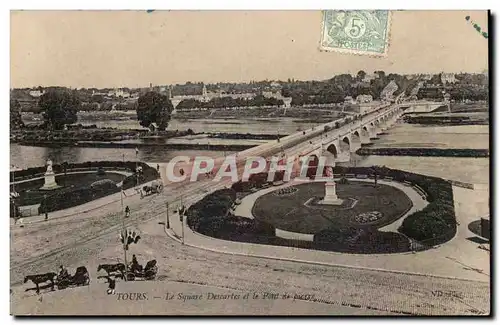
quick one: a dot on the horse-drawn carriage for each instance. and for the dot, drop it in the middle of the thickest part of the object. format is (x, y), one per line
(61, 280)
(148, 273)
(155, 188)
(81, 277)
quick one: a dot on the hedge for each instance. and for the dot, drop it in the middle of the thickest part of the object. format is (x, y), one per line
(361, 240)
(257, 181)
(148, 174)
(212, 216)
(73, 197)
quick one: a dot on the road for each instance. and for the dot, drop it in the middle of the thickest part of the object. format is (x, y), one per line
(92, 239)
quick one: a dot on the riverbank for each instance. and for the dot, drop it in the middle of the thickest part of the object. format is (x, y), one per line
(424, 152)
(124, 145)
(448, 119)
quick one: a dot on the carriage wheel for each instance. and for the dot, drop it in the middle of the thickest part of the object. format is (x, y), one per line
(130, 277)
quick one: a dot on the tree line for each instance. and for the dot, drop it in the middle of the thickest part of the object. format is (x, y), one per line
(60, 107)
(222, 102)
(336, 89)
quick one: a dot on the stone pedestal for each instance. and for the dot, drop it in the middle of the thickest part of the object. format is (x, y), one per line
(50, 182)
(50, 178)
(331, 194)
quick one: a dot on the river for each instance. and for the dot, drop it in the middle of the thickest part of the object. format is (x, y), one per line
(128, 120)
(470, 170)
(404, 135)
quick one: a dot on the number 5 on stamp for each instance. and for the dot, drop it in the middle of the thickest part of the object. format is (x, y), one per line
(356, 31)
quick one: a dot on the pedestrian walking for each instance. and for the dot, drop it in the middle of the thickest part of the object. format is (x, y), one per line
(111, 285)
(127, 212)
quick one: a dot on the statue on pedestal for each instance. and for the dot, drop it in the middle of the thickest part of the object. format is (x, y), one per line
(49, 167)
(50, 178)
(331, 189)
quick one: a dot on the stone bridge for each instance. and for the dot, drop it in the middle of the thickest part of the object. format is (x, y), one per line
(337, 144)
(423, 106)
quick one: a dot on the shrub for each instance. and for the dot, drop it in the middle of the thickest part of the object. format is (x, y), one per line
(148, 174)
(361, 240)
(73, 197)
(211, 216)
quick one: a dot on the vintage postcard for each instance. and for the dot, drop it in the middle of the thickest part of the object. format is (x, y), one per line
(222, 163)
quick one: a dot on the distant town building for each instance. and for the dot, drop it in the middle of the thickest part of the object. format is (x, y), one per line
(364, 98)
(448, 78)
(348, 100)
(368, 77)
(36, 93)
(415, 90)
(389, 90)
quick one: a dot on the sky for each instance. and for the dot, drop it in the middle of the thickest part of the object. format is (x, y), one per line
(135, 48)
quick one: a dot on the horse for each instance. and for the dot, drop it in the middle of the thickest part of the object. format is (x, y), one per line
(147, 189)
(40, 278)
(110, 268)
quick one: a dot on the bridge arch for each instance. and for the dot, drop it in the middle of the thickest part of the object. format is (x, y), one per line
(355, 140)
(345, 144)
(365, 133)
(332, 148)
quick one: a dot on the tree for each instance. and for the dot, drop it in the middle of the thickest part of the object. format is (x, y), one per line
(154, 109)
(436, 79)
(361, 75)
(59, 108)
(15, 114)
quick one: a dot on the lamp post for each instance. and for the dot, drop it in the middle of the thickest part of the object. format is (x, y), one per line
(168, 219)
(13, 179)
(123, 225)
(127, 238)
(182, 210)
(136, 165)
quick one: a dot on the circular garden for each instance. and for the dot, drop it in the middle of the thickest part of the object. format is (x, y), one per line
(364, 206)
(352, 227)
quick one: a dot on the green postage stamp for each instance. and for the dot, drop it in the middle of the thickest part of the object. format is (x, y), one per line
(356, 31)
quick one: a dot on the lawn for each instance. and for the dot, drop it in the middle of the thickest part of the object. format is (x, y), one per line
(31, 194)
(290, 212)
